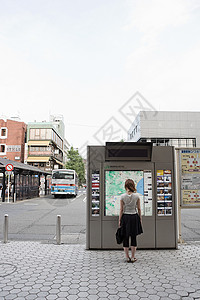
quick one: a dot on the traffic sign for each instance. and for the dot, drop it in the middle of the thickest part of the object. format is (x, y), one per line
(9, 167)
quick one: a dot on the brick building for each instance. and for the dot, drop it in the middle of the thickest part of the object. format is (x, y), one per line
(12, 139)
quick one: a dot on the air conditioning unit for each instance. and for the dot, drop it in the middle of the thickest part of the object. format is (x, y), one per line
(56, 151)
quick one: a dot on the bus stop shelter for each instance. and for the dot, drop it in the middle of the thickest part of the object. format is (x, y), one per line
(23, 182)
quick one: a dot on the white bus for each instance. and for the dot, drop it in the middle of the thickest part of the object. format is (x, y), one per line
(64, 182)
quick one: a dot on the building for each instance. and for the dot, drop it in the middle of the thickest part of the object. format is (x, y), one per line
(45, 145)
(166, 128)
(58, 122)
(65, 151)
(12, 139)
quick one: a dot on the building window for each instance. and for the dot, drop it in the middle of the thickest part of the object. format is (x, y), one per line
(191, 143)
(167, 142)
(43, 134)
(3, 133)
(182, 143)
(37, 134)
(2, 149)
(153, 141)
(143, 140)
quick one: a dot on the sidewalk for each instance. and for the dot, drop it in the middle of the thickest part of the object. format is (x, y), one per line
(32, 270)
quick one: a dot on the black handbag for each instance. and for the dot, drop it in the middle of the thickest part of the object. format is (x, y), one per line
(119, 236)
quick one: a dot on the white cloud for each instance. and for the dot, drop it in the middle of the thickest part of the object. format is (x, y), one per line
(151, 17)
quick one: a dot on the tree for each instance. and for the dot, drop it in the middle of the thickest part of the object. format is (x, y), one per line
(75, 162)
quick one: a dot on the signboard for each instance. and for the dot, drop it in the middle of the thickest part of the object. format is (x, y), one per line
(164, 192)
(9, 167)
(190, 177)
(95, 193)
(13, 148)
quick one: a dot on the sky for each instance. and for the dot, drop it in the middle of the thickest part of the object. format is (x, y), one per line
(98, 62)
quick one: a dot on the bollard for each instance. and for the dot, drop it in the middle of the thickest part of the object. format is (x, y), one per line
(58, 230)
(5, 229)
(14, 198)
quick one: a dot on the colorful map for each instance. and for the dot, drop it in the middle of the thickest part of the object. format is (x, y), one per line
(114, 188)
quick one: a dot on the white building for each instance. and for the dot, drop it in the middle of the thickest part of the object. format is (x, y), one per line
(170, 128)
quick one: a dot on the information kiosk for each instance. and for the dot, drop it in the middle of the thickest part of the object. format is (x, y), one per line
(153, 170)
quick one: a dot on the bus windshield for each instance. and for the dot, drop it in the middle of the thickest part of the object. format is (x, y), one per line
(63, 175)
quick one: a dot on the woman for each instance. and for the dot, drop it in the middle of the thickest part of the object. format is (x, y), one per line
(130, 219)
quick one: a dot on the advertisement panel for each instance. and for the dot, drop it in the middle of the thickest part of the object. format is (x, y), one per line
(95, 193)
(164, 192)
(190, 177)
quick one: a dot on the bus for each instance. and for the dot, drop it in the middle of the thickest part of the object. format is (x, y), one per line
(64, 182)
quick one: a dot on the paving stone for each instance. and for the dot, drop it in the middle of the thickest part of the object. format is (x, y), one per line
(195, 295)
(92, 291)
(162, 294)
(113, 297)
(142, 295)
(72, 297)
(132, 292)
(73, 291)
(92, 297)
(151, 291)
(103, 294)
(133, 297)
(154, 297)
(54, 291)
(174, 296)
(52, 297)
(23, 294)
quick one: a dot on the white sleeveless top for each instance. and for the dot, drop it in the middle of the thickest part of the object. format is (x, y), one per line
(130, 203)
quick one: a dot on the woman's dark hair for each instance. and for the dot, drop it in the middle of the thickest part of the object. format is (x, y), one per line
(129, 184)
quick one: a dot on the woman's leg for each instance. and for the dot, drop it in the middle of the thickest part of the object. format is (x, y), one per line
(126, 250)
(133, 251)
(126, 247)
(133, 246)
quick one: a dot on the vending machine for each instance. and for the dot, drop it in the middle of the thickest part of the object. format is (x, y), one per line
(152, 168)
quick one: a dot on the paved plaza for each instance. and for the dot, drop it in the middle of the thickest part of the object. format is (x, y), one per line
(35, 270)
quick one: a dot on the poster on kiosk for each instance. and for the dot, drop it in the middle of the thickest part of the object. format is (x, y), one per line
(152, 170)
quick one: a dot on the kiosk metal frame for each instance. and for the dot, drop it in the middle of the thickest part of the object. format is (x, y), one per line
(157, 166)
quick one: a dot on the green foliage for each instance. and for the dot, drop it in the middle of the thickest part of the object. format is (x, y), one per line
(75, 162)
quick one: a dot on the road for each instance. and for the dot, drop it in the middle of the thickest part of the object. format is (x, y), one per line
(35, 219)
(190, 224)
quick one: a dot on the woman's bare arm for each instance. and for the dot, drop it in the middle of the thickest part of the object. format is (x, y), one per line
(121, 210)
(139, 209)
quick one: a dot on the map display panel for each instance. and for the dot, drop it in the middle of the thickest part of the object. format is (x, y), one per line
(114, 188)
